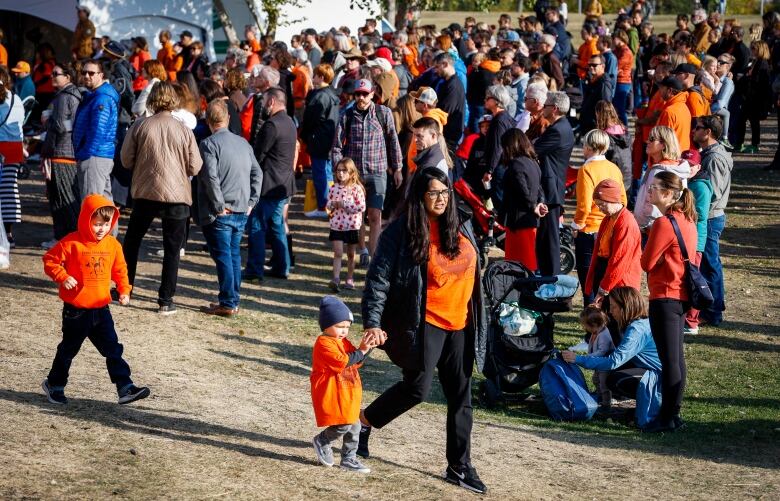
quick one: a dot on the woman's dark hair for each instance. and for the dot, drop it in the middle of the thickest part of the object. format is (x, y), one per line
(630, 303)
(417, 218)
(516, 144)
(68, 70)
(187, 78)
(210, 90)
(685, 201)
(5, 83)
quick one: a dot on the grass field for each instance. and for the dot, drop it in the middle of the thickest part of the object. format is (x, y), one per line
(230, 415)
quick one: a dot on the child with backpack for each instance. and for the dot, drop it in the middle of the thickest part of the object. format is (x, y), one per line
(594, 320)
(336, 390)
(346, 205)
(84, 263)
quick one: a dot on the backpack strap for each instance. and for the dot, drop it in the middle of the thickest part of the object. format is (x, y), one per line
(10, 108)
(680, 241)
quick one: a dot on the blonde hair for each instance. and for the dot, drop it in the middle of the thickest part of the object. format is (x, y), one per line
(597, 140)
(353, 177)
(606, 115)
(761, 48)
(163, 97)
(684, 199)
(666, 135)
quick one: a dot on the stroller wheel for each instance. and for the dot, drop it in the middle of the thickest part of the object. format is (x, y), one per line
(567, 260)
(489, 393)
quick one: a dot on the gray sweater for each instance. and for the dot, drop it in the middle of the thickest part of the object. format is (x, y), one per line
(58, 143)
(718, 162)
(230, 178)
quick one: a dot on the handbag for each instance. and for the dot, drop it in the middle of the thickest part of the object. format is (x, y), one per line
(699, 293)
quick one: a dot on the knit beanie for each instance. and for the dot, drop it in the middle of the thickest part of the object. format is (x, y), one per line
(332, 311)
(608, 190)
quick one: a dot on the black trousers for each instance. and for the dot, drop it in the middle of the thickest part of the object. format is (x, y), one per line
(583, 250)
(448, 352)
(96, 324)
(548, 242)
(174, 224)
(64, 198)
(667, 320)
(625, 382)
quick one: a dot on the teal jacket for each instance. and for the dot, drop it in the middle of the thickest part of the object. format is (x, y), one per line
(701, 187)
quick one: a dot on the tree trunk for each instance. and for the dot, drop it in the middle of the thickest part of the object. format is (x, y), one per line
(392, 12)
(253, 10)
(227, 25)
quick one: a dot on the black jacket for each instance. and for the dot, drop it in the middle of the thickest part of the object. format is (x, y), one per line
(554, 149)
(59, 127)
(394, 298)
(286, 78)
(319, 121)
(594, 92)
(498, 126)
(521, 190)
(477, 83)
(619, 153)
(275, 152)
(452, 99)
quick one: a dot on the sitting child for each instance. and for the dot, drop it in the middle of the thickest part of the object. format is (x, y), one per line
(335, 384)
(594, 321)
(84, 263)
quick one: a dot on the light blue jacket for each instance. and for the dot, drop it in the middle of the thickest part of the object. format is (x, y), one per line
(639, 348)
(11, 130)
(722, 98)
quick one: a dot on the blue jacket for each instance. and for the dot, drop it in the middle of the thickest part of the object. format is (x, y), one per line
(639, 348)
(24, 87)
(94, 129)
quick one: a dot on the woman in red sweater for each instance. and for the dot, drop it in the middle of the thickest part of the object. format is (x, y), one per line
(663, 262)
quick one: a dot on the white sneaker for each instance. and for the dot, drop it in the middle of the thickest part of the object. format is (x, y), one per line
(48, 244)
(161, 252)
(583, 346)
(316, 213)
(690, 331)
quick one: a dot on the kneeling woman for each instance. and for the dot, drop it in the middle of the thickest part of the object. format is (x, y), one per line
(634, 367)
(423, 288)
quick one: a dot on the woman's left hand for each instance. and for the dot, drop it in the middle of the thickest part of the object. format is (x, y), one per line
(569, 356)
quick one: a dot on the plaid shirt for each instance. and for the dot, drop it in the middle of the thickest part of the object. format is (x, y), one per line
(366, 142)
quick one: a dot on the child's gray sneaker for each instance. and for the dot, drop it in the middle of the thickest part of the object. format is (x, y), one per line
(133, 393)
(324, 452)
(354, 464)
(55, 396)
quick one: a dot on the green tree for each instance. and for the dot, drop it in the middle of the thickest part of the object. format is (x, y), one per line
(395, 9)
(273, 11)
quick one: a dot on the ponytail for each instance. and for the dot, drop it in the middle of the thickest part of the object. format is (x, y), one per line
(685, 201)
(686, 204)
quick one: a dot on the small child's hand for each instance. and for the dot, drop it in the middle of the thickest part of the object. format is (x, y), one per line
(569, 356)
(70, 283)
(124, 299)
(338, 204)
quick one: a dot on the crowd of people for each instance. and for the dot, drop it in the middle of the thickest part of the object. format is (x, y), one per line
(387, 123)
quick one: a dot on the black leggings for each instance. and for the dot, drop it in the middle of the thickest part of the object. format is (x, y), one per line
(667, 319)
(625, 382)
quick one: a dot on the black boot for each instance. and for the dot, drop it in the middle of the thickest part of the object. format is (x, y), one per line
(290, 251)
(362, 450)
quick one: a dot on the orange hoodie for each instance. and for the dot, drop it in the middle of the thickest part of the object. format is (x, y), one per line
(491, 66)
(336, 389)
(677, 117)
(94, 264)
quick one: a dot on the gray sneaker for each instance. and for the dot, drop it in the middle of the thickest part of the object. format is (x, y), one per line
(354, 464)
(324, 452)
(365, 259)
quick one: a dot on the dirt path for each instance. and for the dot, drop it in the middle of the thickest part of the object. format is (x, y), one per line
(230, 415)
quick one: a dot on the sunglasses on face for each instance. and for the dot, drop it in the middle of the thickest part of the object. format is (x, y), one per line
(722, 62)
(55, 75)
(90, 73)
(593, 65)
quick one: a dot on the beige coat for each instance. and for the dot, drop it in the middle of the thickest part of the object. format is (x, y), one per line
(162, 153)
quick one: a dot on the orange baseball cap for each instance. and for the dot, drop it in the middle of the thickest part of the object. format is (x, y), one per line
(21, 67)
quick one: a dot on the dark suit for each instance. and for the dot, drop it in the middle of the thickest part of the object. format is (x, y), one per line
(554, 149)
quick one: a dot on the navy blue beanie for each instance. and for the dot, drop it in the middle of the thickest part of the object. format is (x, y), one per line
(332, 311)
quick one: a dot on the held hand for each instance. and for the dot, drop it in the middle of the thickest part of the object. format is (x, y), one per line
(369, 338)
(124, 299)
(598, 300)
(541, 210)
(70, 283)
(569, 356)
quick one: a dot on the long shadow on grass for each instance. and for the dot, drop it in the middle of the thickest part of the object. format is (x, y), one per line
(731, 343)
(178, 428)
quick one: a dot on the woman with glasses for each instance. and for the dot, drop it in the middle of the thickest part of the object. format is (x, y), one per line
(663, 154)
(57, 155)
(423, 288)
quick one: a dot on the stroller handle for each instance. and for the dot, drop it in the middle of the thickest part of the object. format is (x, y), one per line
(520, 282)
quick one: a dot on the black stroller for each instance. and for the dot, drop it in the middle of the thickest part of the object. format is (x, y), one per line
(513, 362)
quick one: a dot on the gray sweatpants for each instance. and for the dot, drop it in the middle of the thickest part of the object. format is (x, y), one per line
(94, 176)
(351, 433)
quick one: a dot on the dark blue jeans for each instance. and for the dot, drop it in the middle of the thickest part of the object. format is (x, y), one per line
(475, 113)
(267, 220)
(622, 90)
(322, 175)
(712, 270)
(96, 324)
(223, 238)
(583, 250)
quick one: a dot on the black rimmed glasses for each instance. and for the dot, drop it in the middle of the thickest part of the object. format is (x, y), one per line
(435, 195)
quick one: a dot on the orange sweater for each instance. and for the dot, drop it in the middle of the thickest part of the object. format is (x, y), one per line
(697, 104)
(336, 390)
(94, 264)
(677, 117)
(588, 217)
(171, 61)
(625, 63)
(301, 85)
(623, 267)
(662, 259)
(585, 52)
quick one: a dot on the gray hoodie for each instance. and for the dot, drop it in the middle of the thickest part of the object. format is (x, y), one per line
(645, 212)
(716, 161)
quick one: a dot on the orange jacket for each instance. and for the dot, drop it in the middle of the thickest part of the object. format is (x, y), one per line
(585, 52)
(677, 117)
(410, 59)
(336, 390)
(171, 61)
(662, 259)
(625, 63)
(94, 264)
(301, 85)
(697, 104)
(623, 266)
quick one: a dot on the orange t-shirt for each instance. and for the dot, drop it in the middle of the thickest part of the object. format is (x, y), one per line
(450, 283)
(605, 242)
(336, 390)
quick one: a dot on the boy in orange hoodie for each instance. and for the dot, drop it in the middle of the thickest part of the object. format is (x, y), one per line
(336, 390)
(83, 264)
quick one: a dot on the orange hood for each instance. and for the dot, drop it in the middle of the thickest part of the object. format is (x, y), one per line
(492, 66)
(438, 115)
(88, 207)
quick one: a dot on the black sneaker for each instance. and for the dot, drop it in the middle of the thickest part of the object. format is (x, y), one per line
(659, 426)
(362, 450)
(166, 310)
(54, 396)
(466, 477)
(134, 393)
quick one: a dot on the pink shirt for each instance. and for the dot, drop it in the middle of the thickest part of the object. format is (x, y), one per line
(350, 215)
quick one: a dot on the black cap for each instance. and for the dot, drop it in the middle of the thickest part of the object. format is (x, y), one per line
(456, 27)
(685, 68)
(185, 33)
(672, 83)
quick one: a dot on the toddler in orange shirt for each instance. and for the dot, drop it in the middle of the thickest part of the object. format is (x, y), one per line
(336, 390)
